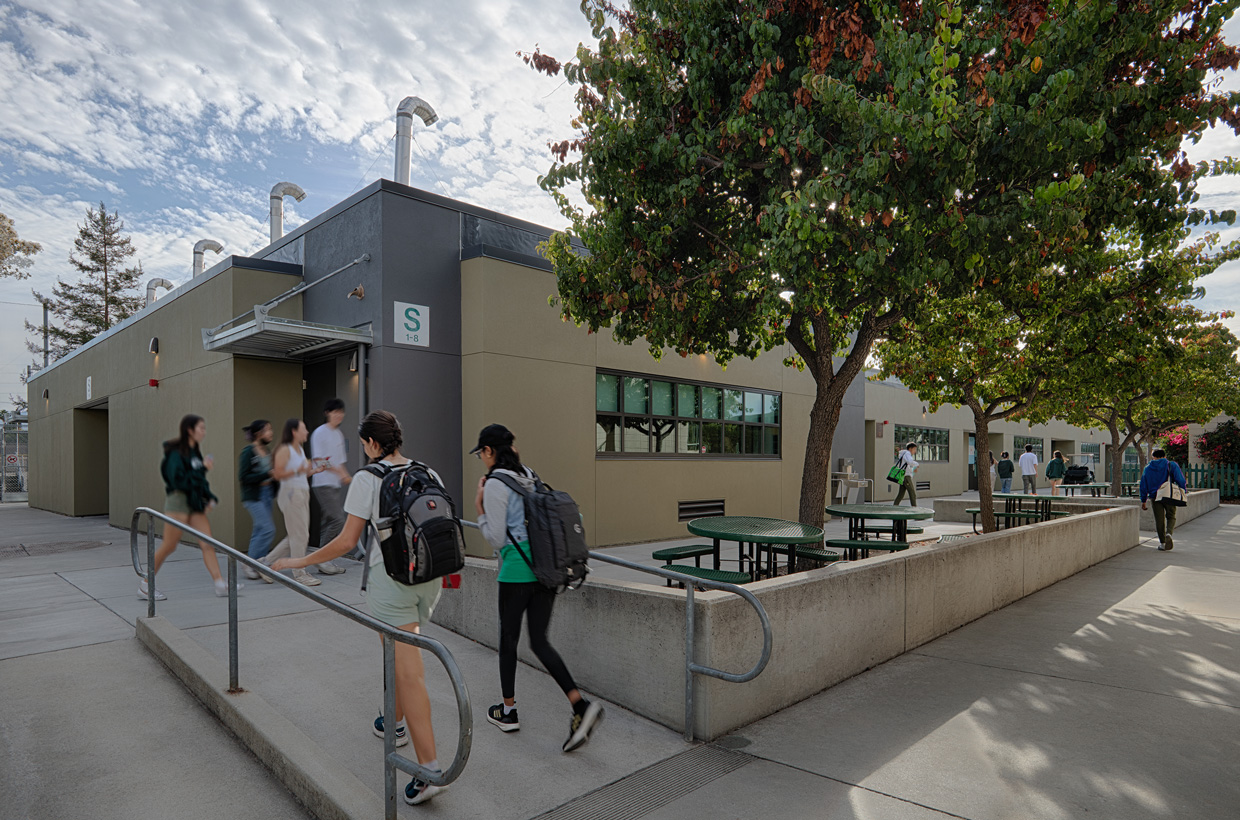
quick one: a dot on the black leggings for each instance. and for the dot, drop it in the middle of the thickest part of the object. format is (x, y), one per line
(537, 601)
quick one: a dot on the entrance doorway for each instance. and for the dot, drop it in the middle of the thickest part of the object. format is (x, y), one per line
(972, 445)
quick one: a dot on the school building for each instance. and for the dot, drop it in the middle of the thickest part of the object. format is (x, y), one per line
(438, 311)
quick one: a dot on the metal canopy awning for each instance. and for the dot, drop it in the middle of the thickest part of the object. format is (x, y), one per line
(274, 338)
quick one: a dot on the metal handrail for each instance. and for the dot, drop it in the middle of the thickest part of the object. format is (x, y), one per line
(691, 667)
(392, 760)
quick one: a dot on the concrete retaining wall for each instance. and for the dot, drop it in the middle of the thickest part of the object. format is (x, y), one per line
(625, 641)
(1200, 502)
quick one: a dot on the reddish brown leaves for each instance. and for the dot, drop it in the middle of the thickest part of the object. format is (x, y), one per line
(541, 62)
(756, 85)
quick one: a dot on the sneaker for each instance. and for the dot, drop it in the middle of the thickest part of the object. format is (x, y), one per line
(582, 725)
(1162, 547)
(1169, 544)
(402, 736)
(305, 579)
(330, 568)
(506, 723)
(418, 792)
(251, 573)
(221, 588)
(159, 596)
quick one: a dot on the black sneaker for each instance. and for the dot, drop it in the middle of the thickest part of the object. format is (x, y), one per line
(402, 736)
(505, 722)
(418, 792)
(582, 725)
(1168, 544)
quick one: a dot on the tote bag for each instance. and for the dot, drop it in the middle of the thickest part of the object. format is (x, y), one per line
(1172, 493)
(896, 474)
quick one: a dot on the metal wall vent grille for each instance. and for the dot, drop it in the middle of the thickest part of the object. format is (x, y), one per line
(689, 510)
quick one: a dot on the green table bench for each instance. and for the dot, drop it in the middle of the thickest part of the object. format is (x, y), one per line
(855, 548)
(670, 554)
(706, 573)
(886, 529)
(1006, 517)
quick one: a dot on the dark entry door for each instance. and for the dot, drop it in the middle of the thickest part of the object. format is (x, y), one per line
(972, 461)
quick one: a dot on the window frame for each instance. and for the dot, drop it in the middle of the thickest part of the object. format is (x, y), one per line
(730, 431)
(1038, 442)
(927, 451)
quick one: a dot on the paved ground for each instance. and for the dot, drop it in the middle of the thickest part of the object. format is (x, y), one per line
(1115, 694)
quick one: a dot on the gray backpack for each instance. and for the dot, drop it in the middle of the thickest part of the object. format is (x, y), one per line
(557, 538)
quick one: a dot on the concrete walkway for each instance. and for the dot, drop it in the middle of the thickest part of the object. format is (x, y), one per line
(1114, 694)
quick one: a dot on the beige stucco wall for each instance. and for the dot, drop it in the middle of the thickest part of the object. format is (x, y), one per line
(119, 430)
(514, 344)
(897, 405)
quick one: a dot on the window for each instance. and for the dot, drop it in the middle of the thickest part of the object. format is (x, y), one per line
(932, 443)
(1019, 443)
(660, 417)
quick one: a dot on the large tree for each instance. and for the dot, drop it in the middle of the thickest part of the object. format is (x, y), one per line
(805, 171)
(15, 252)
(106, 292)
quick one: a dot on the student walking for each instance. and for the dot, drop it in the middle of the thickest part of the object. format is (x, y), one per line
(1055, 470)
(906, 460)
(1029, 470)
(1005, 468)
(258, 495)
(188, 497)
(501, 517)
(398, 605)
(1157, 473)
(328, 444)
(994, 471)
(291, 470)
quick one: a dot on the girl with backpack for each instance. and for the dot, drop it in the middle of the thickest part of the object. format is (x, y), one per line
(501, 517)
(188, 497)
(398, 605)
(1055, 471)
(291, 468)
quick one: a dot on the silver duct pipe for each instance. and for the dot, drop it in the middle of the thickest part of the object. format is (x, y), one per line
(152, 285)
(202, 247)
(281, 190)
(404, 132)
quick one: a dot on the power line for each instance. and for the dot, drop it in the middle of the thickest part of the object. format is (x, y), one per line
(431, 167)
(381, 152)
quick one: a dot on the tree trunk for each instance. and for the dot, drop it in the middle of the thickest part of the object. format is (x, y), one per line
(1118, 446)
(816, 474)
(981, 433)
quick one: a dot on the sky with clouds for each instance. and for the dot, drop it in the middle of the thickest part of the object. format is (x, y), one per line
(182, 116)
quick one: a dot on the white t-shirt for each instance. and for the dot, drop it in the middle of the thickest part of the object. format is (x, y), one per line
(1029, 464)
(328, 442)
(362, 500)
(907, 461)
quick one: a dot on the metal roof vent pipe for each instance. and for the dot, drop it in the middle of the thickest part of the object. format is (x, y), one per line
(202, 247)
(404, 132)
(152, 285)
(278, 192)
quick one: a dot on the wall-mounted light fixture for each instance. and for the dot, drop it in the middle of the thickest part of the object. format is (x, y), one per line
(923, 411)
(353, 362)
(45, 392)
(153, 347)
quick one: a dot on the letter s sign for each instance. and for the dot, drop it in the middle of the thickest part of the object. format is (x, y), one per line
(411, 325)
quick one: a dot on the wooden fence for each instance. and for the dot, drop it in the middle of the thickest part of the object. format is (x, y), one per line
(1222, 477)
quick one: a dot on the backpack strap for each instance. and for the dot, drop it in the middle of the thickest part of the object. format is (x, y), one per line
(514, 485)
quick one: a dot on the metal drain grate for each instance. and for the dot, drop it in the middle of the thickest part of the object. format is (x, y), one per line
(653, 787)
(50, 548)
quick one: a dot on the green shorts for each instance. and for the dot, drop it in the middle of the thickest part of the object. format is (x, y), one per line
(176, 502)
(398, 605)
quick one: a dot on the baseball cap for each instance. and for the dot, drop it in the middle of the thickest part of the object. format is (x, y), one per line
(493, 435)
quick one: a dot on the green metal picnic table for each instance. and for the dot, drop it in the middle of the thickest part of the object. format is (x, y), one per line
(752, 533)
(1095, 490)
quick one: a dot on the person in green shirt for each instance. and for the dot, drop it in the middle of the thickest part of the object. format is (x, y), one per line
(1055, 470)
(501, 518)
(1005, 469)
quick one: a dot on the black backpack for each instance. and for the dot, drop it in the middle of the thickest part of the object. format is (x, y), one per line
(557, 538)
(418, 531)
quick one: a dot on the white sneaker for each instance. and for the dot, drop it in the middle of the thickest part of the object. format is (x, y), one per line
(251, 573)
(159, 596)
(221, 588)
(330, 568)
(305, 579)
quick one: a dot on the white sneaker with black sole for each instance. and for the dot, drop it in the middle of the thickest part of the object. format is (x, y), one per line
(330, 568)
(159, 596)
(402, 734)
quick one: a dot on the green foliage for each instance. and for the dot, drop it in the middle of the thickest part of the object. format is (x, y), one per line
(1221, 445)
(812, 172)
(105, 294)
(15, 252)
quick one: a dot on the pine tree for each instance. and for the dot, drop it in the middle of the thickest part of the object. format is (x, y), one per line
(105, 294)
